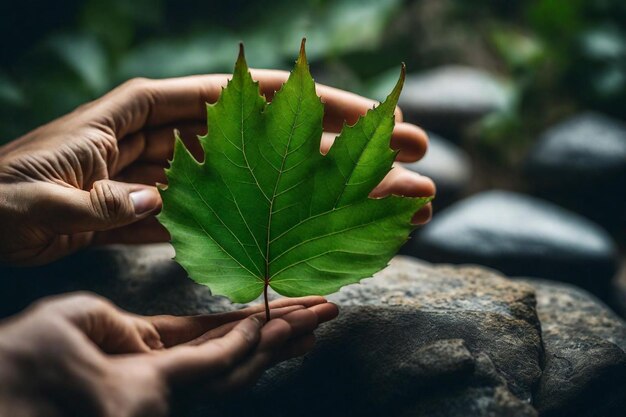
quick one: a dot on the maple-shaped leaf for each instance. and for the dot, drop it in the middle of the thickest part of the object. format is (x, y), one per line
(266, 208)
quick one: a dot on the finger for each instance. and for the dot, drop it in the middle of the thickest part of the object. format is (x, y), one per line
(146, 103)
(226, 327)
(339, 106)
(148, 230)
(156, 145)
(175, 330)
(284, 302)
(246, 374)
(424, 215)
(187, 363)
(275, 333)
(109, 204)
(250, 370)
(216, 325)
(408, 139)
(325, 312)
(113, 330)
(401, 181)
(128, 334)
(217, 319)
(298, 323)
(243, 376)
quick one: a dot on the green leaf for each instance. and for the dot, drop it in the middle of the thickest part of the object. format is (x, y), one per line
(266, 208)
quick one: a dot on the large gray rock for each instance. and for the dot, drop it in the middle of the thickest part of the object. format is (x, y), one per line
(447, 99)
(584, 372)
(448, 166)
(581, 163)
(521, 235)
(413, 341)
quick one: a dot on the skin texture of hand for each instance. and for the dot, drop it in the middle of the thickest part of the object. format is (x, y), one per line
(89, 177)
(80, 355)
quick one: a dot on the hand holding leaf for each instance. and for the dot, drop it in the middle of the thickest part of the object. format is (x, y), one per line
(266, 208)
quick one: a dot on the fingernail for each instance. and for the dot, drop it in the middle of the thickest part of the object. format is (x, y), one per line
(143, 201)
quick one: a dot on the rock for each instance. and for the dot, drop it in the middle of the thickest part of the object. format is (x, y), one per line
(520, 235)
(448, 166)
(414, 341)
(141, 279)
(585, 364)
(447, 99)
(581, 163)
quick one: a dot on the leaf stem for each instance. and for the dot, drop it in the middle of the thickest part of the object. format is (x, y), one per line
(267, 302)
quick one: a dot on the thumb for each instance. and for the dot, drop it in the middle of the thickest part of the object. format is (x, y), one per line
(109, 204)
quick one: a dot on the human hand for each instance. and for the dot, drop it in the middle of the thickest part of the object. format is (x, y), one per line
(80, 355)
(89, 177)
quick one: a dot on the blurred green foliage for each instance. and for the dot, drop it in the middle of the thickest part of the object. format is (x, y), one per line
(99, 44)
(558, 56)
(561, 55)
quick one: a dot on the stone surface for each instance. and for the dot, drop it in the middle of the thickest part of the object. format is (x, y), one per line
(449, 98)
(446, 164)
(581, 163)
(141, 279)
(413, 341)
(585, 364)
(416, 340)
(520, 235)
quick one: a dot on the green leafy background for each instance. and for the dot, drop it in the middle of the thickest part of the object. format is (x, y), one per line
(557, 55)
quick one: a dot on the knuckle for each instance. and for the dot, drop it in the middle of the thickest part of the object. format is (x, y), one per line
(107, 200)
(139, 89)
(101, 145)
(137, 84)
(108, 148)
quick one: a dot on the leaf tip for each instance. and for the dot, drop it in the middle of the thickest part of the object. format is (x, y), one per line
(392, 99)
(241, 65)
(242, 54)
(398, 87)
(302, 55)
